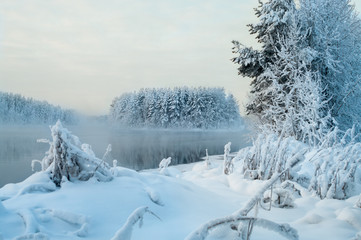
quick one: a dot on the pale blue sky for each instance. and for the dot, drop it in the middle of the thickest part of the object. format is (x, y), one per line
(81, 54)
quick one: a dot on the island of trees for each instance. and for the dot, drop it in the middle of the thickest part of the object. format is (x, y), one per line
(205, 108)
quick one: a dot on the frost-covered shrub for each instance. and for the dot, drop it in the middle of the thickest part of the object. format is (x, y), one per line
(337, 171)
(163, 165)
(227, 160)
(330, 169)
(68, 159)
(269, 154)
(207, 162)
(337, 161)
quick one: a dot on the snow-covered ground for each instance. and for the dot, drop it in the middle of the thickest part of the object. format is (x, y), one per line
(182, 197)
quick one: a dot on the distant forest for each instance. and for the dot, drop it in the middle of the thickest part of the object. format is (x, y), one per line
(205, 108)
(16, 109)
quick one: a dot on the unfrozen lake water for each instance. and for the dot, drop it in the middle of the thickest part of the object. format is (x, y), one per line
(136, 149)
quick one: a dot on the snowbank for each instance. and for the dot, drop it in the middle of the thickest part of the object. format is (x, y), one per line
(98, 210)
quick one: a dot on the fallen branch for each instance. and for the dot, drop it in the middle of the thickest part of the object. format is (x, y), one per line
(240, 216)
(125, 232)
(283, 229)
(31, 225)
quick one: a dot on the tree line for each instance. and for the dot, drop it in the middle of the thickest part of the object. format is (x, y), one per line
(16, 109)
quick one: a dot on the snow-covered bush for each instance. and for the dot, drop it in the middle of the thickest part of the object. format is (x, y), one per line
(68, 159)
(330, 169)
(163, 165)
(207, 162)
(268, 155)
(337, 166)
(227, 160)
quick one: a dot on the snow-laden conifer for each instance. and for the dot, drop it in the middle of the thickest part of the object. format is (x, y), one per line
(286, 93)
(66, 159)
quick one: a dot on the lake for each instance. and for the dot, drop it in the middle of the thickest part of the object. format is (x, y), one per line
(133, 148)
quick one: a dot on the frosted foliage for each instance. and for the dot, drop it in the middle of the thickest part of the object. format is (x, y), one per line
(330, 169)
(334, 30)
(178, 107)
(68, 158)
(16, 109)
(286, 95)
(269, 154)
(337, 170)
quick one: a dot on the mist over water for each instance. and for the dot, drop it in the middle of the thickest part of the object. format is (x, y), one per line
(133, 148)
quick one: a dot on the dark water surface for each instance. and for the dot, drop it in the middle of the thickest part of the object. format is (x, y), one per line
(137, 149)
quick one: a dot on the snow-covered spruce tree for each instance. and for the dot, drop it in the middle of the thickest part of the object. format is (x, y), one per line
(335, 35)
(275, 17)
(286, 94)
(68, 158)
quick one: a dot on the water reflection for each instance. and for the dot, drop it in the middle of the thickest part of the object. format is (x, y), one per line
(136, 149)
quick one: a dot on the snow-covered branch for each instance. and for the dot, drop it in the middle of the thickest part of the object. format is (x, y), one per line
(125, 232)
(283, 229)
(240, 216)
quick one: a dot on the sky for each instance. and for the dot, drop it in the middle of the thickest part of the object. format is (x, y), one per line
(81, 54)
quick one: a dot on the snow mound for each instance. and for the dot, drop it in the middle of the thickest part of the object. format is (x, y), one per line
(312, 218)
(350, 215)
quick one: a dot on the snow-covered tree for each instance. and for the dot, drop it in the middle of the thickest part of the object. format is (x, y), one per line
(286, 94)
(68, 159)
(334, 33)
(274, 21)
